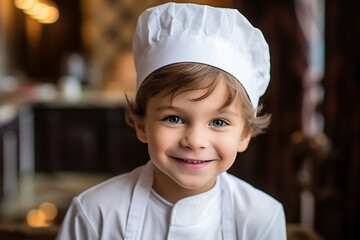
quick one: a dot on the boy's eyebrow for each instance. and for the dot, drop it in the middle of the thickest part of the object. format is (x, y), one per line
(219, 111)
(228, 112)
(167, 107)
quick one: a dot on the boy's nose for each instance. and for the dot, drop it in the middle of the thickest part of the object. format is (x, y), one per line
(194, 138)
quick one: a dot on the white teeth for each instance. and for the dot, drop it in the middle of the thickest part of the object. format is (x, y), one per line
(194, 162)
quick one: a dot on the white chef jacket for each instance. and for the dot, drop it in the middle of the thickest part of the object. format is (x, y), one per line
(126, 207)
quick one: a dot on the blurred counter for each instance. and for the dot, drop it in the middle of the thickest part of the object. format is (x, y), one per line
(43, 130)
(54, 145)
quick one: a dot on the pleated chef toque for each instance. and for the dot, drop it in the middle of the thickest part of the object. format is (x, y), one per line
(220, 37)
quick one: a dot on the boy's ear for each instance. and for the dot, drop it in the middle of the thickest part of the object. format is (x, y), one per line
(244, 142)
(140, 130)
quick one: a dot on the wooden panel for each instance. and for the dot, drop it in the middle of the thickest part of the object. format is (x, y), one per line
(85, 139)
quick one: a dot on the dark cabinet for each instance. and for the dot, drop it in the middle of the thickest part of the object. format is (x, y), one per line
(85, 138)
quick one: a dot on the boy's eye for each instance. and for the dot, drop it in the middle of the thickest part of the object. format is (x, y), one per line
(218, 123)
(174, 120)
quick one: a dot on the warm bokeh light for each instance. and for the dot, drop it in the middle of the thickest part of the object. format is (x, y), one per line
(48, 15)
(25, 4)
(49, 210)
(35, 9)
(36, 218)
(44, 11)
(42, 216)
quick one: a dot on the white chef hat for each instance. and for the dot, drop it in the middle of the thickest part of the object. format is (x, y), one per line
(220, 37)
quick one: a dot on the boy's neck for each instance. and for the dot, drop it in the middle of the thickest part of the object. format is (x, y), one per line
(173, 192)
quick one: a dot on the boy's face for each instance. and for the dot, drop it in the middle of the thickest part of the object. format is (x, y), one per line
(191, 142)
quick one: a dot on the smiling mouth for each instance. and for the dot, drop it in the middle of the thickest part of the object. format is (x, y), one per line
(192, 161)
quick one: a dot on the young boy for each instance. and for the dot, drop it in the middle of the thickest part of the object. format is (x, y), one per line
(200, 74)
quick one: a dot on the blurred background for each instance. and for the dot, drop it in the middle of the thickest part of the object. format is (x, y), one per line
(65, 66)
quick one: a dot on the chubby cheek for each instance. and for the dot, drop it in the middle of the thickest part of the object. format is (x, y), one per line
(227, 148)
(159, 142)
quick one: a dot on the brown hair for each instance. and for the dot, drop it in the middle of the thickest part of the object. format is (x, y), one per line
(177, 78)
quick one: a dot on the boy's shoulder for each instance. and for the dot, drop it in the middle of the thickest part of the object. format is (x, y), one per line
(114, 193)
(245, 193)
(245, 196)
(96, 210)
(253, 207)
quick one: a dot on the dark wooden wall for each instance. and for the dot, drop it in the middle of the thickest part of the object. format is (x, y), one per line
(273, 160)
(342, 113)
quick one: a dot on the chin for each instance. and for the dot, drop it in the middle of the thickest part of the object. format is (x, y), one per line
(195, 185)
